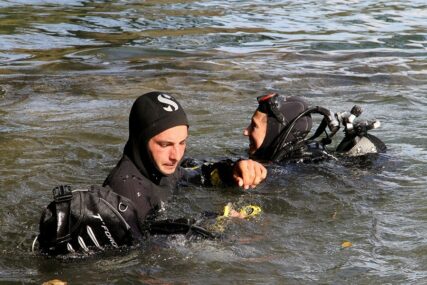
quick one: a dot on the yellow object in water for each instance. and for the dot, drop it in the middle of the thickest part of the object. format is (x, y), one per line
(250, 211)
(346, 244)
(227, 209)
(215, 178)
(245, 212)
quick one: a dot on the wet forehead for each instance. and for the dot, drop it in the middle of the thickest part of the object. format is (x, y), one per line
(259, 118)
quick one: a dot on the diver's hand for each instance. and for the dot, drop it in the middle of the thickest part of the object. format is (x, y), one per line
(248, 173)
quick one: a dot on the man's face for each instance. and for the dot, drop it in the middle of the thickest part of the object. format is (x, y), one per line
(256, 131)
(168, 147)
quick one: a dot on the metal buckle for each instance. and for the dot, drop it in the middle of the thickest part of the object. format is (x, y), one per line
(62, 193)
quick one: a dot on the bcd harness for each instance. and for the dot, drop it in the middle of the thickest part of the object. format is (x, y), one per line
(98, 218)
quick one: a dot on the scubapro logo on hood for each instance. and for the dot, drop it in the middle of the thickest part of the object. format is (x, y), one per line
(166, 99)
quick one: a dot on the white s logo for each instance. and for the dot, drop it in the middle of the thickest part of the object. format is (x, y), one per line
(166, 99)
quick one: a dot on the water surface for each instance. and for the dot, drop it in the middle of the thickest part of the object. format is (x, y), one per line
(70, 70)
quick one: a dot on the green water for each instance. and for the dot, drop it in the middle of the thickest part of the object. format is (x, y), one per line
(70, 70)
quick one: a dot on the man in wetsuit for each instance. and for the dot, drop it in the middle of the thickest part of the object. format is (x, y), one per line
(280, 124)
(149, 169)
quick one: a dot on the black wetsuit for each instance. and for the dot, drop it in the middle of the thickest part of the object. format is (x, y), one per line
(125, 179)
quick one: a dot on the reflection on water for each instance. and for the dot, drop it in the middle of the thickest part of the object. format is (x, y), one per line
(70, 71)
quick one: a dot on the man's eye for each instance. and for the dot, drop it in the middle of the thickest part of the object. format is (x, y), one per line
(163, 144)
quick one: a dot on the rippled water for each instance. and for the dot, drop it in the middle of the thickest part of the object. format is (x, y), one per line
(71, 69)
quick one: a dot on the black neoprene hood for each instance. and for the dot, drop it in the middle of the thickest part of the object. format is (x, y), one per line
(280, 112)
(151, 114)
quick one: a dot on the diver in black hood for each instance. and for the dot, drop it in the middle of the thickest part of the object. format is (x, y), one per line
(280, 125)
(150, 170)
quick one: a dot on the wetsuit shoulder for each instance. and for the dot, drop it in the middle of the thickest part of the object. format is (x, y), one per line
(126, 180)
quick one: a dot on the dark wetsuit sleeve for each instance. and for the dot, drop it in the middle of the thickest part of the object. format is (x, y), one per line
(207, 173)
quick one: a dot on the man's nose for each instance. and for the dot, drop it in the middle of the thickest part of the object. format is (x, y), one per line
(246, 132)
(177, 152)
(173, 153)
